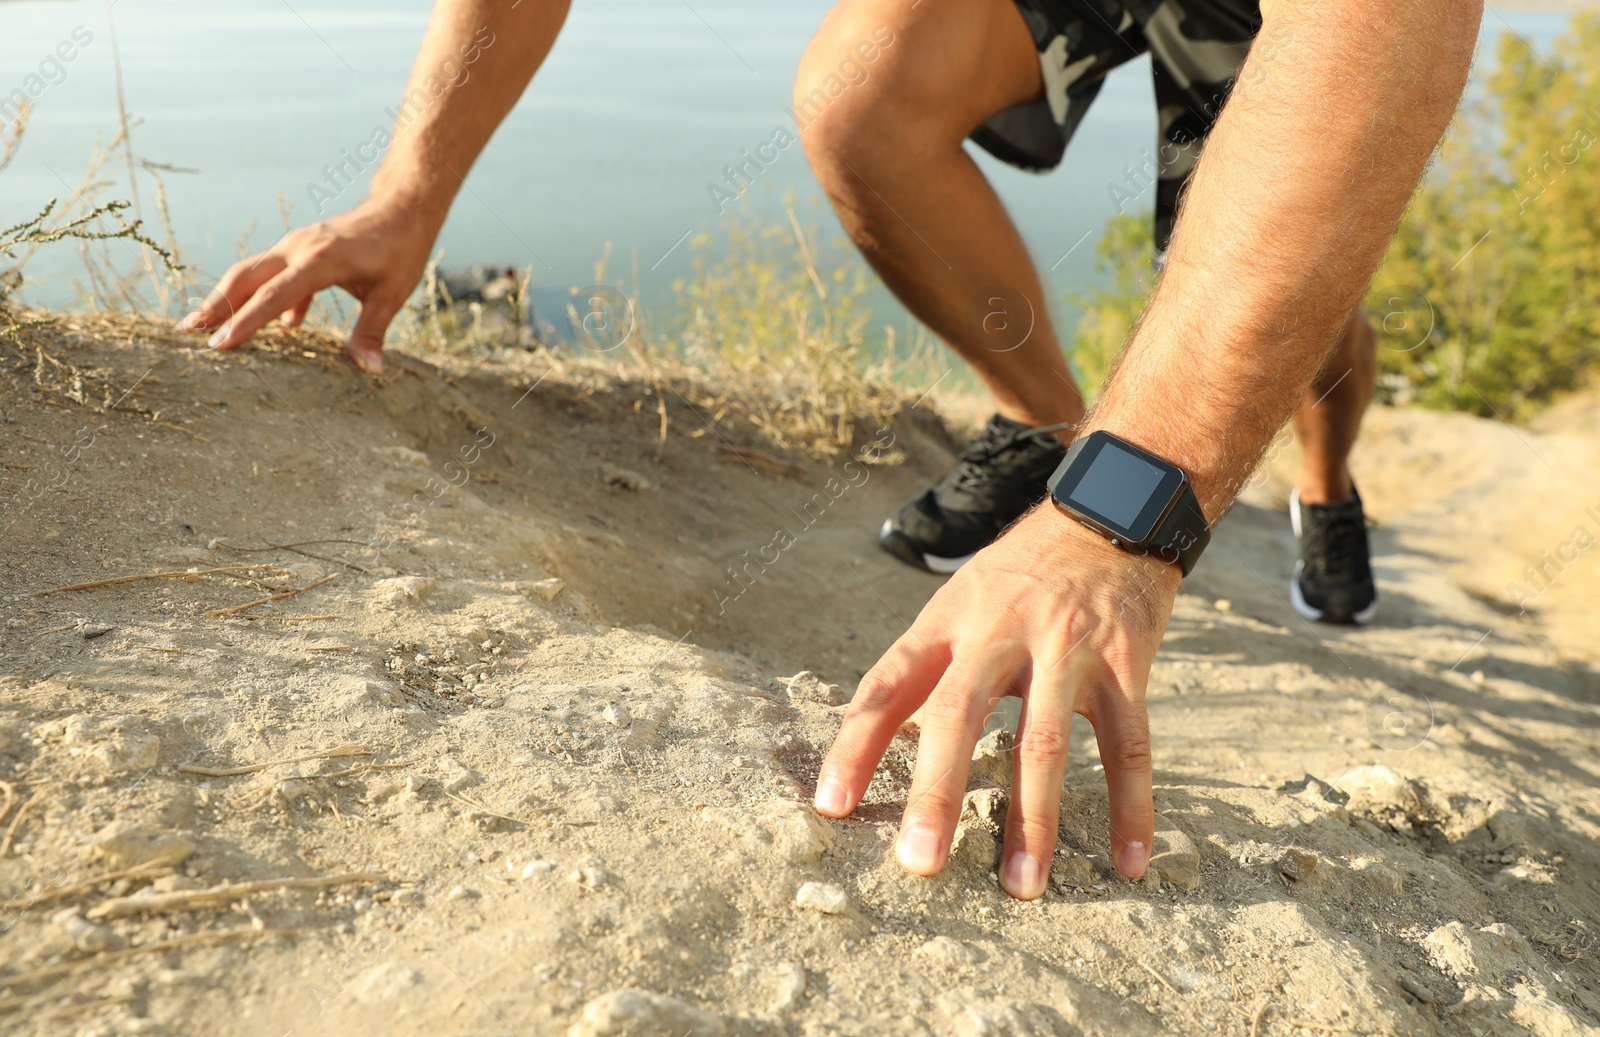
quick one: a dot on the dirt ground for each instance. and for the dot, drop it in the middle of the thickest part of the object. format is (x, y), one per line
(521, 749)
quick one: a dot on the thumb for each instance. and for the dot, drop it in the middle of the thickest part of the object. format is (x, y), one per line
(366, 338)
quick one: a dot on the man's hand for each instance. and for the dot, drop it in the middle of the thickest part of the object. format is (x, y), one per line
(475, 61)
(1057, 616)
(376, 252)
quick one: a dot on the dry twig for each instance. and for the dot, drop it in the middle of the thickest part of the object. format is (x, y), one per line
(233, 772)
(138, 871)
(272, 597)
(293, 619)
(16, 822)
(215, 896)
(235, 569)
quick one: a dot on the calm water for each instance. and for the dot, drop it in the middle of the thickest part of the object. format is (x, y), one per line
(641, 105)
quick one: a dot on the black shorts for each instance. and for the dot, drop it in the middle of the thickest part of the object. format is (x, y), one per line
(1196, 48)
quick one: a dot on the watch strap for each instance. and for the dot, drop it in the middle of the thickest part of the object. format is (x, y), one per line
(1183, 534)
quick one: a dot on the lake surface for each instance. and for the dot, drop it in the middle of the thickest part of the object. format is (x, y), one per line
(640, 106)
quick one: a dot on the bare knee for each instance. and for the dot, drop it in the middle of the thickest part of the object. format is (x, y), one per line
(850, 96)
(892, 81)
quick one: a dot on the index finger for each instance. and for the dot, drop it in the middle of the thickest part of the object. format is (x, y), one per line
(236, 286)
(889, 693)
(266, 302)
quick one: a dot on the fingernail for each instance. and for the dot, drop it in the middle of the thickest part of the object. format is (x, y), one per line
(190, 322)
(222, 333)
(919, 849)
(1133, 859)
(1022, 876)
(831, 797)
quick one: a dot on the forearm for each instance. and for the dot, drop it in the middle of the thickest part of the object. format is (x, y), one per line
(474, 63)
(1290, 208)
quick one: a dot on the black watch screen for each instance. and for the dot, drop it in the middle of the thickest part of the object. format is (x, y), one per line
(1132, 497)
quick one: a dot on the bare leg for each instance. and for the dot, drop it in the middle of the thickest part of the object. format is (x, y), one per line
(888, 150)
(1329, 418)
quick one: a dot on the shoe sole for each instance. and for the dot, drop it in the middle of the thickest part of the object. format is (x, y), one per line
(905, 549)
(1297, 600)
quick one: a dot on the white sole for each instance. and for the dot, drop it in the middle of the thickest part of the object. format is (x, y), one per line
(935, 564)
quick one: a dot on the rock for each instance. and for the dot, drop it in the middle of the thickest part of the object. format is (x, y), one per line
(360, 692)
(642, 1013)
(453, 775)
(1415, 988)
(90, 631)
(1176, 859)
(991, 760)
(403, 455)
(974, 849)
(534, 869)
(787, 829)
(617, 715)
(591, 873)
(625, 479)
(1386, 878)
(970, 1015)
(128, 844)
(382, 984)
(401, 590)
(823, 897)
(1222, 605)
(797, 832)
(86, 936)
(1494, 951)
(462, 893)
(1071, 868)
(294, 789)
(544, 590)
(1297, 865)
(117, 743)
(789, 986)
(1314, 790)
(806, 686)
(1377, 789)
(948, 951)
(986, 807)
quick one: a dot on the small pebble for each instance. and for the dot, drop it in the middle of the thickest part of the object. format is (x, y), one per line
(1477, 676)
(90, 631)
(617, 715)
(823, 897)
(1297, 865)
(461, 893)
(533, 869)
(1223, 605)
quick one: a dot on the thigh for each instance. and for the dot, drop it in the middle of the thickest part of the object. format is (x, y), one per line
(950, 64)
(1077, 42)
(1197, 48)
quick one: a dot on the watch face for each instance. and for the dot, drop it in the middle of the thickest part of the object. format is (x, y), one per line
(1118, 487)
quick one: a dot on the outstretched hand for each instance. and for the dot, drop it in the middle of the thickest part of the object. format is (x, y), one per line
(1050, 613)
(376, 252)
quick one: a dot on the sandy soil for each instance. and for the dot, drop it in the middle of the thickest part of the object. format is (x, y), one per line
(523, 757)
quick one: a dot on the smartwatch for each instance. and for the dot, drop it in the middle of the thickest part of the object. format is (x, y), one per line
(1131, 497)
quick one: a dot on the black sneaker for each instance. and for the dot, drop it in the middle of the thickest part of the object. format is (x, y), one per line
(1333, 578)
(1000, 475)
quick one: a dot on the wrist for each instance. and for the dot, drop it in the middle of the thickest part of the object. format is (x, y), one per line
(1062, 541)
(417, 209)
